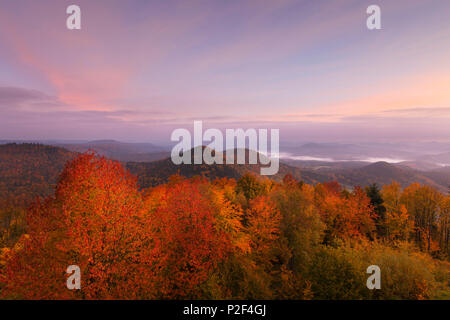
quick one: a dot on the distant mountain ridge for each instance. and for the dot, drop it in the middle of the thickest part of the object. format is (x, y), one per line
(442, 158)
(116, 150)
(437, 153)
(121, 151)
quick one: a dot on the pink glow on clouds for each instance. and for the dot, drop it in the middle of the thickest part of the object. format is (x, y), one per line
(164, 64)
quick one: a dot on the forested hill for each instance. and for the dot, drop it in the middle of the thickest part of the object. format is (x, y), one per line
(30, 170)
(383, 173)
(154, 173)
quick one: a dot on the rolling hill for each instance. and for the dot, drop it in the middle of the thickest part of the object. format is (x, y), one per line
(30, 170)
(385, 173)
(157, 172)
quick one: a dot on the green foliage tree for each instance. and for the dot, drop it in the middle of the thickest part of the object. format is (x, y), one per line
(377, 202)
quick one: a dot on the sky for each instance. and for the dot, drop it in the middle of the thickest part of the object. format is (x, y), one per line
(139, 69)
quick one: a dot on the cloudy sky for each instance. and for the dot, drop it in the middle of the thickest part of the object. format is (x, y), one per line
(138, 69)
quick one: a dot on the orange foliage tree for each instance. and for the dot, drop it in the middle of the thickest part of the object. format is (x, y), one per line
(93, 221)
(346, 215)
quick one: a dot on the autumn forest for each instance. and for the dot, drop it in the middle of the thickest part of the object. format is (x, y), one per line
(225, 238)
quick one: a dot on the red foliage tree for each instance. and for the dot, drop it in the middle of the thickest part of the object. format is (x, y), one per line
(190, 242)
